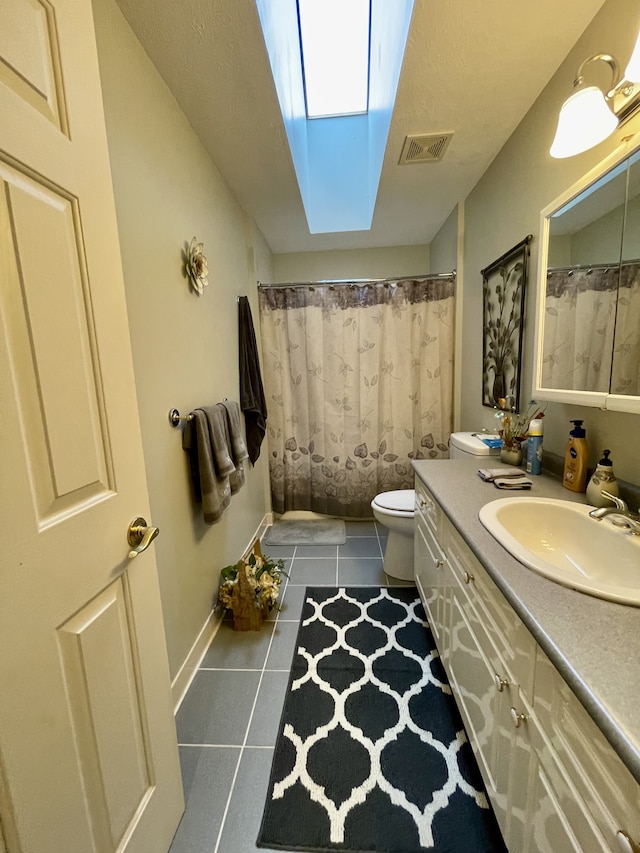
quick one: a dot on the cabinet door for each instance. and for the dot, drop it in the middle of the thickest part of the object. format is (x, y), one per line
(547, 813)
(472, 675)
(429, 562)
(604, 784)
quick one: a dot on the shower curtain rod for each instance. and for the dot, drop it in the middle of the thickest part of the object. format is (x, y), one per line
(612, 265)
(354, 281)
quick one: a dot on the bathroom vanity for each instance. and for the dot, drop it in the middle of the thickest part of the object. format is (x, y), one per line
(546, 678)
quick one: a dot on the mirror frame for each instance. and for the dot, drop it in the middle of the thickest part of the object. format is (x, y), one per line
(599, 399)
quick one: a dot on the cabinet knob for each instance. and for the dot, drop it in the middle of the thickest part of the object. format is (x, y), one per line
(517, 718)
(626, 844)
(468, 577)
(501, 683)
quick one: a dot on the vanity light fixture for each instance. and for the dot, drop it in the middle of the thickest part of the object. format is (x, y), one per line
(590, 115)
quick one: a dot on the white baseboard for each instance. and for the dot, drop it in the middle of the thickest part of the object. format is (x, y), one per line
(187, 671)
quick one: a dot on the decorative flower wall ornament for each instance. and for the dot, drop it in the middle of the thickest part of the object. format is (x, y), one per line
(197, 267)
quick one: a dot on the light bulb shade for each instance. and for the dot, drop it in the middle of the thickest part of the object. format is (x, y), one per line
(584, 121)
(632, 71)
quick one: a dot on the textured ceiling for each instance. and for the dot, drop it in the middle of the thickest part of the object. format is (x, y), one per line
(472, 67)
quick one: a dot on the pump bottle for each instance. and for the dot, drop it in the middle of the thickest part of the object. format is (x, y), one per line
(575, 459)
(603, 479)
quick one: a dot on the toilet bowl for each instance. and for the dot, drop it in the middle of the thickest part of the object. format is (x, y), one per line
(395, 511)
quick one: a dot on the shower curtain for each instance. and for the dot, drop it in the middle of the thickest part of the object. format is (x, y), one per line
(592, 329)
(359, 381)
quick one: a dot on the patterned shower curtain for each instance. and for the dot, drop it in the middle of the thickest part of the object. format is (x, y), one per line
(359, 381)
(592, 329)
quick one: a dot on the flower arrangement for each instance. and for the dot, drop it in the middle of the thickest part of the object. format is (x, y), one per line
(264, 577)
(197, 267)
(514, 427)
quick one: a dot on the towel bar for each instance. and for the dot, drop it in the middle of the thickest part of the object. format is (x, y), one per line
(175, 417)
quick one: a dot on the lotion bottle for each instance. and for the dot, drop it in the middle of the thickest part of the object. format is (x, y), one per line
(534, 446)
(603, 479)
(575, 459)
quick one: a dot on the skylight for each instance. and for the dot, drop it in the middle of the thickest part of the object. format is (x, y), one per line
(337, 156)
(334, 40)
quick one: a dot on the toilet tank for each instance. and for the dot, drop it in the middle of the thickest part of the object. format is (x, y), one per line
(465, 444)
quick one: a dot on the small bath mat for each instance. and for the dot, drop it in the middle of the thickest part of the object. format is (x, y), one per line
(313, 532)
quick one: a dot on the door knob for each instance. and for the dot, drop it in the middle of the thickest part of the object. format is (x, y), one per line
(139, 536)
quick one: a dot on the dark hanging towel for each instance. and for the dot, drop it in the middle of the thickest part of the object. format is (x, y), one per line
(252, 401)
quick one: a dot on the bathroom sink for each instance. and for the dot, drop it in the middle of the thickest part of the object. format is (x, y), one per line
(557, 539)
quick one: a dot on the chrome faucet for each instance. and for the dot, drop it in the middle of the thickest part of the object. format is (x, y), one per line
(620, 514)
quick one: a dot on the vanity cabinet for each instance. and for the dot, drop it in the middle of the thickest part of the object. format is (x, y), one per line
(553, 780)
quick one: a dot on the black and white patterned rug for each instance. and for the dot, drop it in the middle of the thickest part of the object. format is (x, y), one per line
(372, 754)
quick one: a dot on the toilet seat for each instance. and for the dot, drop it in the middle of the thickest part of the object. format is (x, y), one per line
(400, 501)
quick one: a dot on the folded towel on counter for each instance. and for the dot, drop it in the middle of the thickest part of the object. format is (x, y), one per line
(214, 493)
(512, 483)
(490, 474)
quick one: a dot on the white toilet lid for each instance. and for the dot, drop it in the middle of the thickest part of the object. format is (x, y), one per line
(402, 500)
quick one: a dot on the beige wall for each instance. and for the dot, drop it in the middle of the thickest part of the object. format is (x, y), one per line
(504, 207)
(346, 264)
(443, 249)
(446, 256)
(185, 347)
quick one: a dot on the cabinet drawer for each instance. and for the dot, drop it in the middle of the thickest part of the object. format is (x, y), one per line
(508, 633)
(603, 782)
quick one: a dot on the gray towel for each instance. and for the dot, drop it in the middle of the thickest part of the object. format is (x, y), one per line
(238, 448)
(252, 400)
(236, 443)
(217, 418)
(521, 482)
(214, 493)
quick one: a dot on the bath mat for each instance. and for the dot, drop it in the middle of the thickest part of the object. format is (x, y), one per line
(307, 532)
(372, 754)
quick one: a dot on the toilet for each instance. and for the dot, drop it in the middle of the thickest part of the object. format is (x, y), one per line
(464, 445)
(395, 509)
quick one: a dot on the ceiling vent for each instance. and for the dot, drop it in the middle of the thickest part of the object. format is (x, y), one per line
(424, 147)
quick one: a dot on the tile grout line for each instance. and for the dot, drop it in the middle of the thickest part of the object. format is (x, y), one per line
(248, 729)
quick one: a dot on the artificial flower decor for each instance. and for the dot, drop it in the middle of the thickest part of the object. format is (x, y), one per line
(197, 267)
(250, 589)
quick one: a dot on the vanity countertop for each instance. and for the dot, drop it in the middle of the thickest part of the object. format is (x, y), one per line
(594, 644)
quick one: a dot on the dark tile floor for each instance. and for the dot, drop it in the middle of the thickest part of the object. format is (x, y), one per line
(228, 721)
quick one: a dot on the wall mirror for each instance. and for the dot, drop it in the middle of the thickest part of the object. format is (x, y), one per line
(588, 317)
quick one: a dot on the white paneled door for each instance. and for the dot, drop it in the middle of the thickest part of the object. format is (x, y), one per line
(88, 755)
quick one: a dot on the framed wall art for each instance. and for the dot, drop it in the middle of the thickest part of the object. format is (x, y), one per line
(503, 291)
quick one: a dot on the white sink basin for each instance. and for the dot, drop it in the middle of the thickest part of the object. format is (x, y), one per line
(557, 539)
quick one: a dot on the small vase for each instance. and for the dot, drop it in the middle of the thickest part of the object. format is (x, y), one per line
(511, 455)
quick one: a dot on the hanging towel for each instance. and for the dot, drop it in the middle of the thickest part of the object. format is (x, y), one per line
(213, 492)
(217, 418)
(237, 446)
(252, 400)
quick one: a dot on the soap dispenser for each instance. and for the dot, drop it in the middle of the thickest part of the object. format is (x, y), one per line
(603, 479)
(575, 459)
